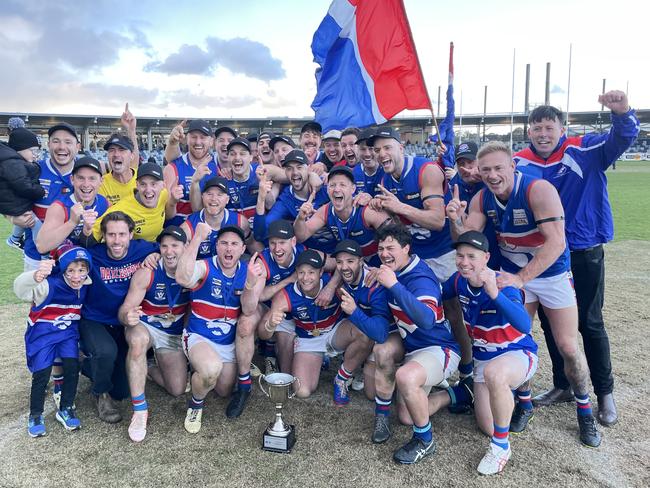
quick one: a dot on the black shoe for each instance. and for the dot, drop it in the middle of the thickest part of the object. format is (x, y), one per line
(237, 403)
(553, 396)
(466, 383)
(607, 414)
(520, 418)
(589, 434)
(414, 450)
(381, 432)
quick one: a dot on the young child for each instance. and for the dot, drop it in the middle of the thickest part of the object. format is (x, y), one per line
(19, 184)
(57, 295)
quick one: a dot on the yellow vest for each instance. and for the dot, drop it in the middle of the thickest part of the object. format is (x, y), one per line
(148, 221)
(113, 190)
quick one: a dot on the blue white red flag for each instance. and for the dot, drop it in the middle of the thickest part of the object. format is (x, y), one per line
(446, 129)
(368, 67)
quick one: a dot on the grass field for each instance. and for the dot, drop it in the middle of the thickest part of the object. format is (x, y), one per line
(333, 447)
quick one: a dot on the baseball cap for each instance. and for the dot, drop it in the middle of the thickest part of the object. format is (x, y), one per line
(87, 162)
(312, 126)
(119, 140)
(282, 229)
(466, 150)
(267, 134)
(384, 133)
(475, 239)
(22, 138)
(68, 253)
(252, 137)
(332, 134)
(201, 126)
(62, 126)
(365, 135)
(310, 257)
(216, 181)
(232, 228)
(281, 138)
(150, 169)
(349, 246)
(239, 141)
(173, 231)
(341, 170)
(295, 156)
(225, 129)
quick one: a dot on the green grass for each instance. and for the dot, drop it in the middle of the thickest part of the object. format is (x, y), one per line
(11, 265)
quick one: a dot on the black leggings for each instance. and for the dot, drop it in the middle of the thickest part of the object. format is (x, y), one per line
(68, 391)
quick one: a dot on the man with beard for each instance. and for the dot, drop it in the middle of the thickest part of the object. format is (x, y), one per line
(281, 146)
(221, 294)
(310, 141)
(319, 330)
(341, 216)
(75, 213)
(215, 198)
(264, 147)
(333, 154)
(529, 220)
(190, 168)
(369, 174)
(148, 207)
(102, 334)
(349, 138)
(153, 314)
(222, 137)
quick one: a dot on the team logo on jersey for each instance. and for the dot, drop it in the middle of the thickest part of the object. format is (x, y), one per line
(302, 313)
(65, 321)
(412, 196)
(218, 327)
(493, 215)
(234, 197)
(561, 172)
(276, 279)
(519, 216)
(204, 248)
(216, 288)
(160, 294)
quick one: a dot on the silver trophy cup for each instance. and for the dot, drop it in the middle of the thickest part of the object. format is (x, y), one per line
(279, 436)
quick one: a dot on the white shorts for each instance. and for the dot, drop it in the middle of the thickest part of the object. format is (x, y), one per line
(553, 292)
(225, 351)
(287, 325)
(318, 344)
(30, 264)
(434, 358)
(162, 340)
(526, 360)
(443, 266)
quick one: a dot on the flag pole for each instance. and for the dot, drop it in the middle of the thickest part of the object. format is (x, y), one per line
(568, 89)
(512, 97)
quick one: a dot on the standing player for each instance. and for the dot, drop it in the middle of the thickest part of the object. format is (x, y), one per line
(576, 167)
(153, 314)
(529, 221)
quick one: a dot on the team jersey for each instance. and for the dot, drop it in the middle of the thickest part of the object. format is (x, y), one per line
(110, 280)
(517, 233)
(365, 183)
(54, 321)
(491, 332)
(354, 228)
(287, 207)
(418, 281)
(274, 272)
(372, 315)
(56, 186)
(114, 190)
(426, 243)
(100, 205)
(243, 194)
(208, 248)
(165, 302)
(576, 168)
(310, 319)
(148, 221)
(184, 171)
(215, 304)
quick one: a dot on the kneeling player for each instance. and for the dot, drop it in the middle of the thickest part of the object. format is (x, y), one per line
(319, 330)
(153, 314)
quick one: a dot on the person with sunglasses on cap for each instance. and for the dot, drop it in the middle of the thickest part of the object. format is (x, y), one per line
(19, 182)
(319, 330)
(153, 314)
(214, 197)
(192, 168)
(75, 213)
(57, 295)
(222, 292)
(369, 174)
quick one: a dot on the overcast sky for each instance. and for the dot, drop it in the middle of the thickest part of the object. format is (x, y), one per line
(219, 59)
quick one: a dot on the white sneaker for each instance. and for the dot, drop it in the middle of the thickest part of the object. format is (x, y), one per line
(193, 420)
(358, 383)
(495, 460)
(138, 426)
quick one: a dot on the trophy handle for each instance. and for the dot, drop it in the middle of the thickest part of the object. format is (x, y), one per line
(296, 379)
(259, 380)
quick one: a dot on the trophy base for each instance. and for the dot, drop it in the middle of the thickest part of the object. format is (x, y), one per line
(284, 444)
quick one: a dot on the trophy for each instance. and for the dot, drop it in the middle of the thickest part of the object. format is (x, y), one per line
(279, 437)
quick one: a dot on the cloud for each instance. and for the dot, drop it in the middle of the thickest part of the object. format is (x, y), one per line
(204, 101)
(238, 55)
(555, 89)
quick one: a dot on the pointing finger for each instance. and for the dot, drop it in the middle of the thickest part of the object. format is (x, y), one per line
(456, 192)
